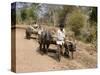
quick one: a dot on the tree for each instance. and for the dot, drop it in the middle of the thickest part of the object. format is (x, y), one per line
(93, 14)
(29, 14)
(76, 20)
(24, 14)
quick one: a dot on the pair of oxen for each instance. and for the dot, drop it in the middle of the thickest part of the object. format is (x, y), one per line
(45, 38)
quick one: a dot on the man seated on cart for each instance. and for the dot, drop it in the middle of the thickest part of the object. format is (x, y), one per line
(60, 38)
(35, 27)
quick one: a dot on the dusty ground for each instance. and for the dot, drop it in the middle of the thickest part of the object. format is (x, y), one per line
(30, 60)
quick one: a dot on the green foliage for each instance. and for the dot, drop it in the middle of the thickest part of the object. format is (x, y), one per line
(23, 14)
(89, 34)
(31, 13)
(18, 19)
(93, 36)
(64, 12)
(93, 14)
(76, 21)
(26, 14)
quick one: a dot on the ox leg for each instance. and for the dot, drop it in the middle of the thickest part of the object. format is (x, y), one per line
(27, 35)
(47, 48)
(72, 54)
(67, 52)
(41, 48)
(44, 48)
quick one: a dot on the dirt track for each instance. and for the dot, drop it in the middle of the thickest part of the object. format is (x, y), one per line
(29, 59)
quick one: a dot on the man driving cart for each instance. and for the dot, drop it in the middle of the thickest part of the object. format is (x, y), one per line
(60, 40)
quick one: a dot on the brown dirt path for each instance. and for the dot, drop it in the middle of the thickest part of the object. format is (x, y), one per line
(30, 60)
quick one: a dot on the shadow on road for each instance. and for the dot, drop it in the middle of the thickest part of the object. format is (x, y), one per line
(52, 53)
(30, 38)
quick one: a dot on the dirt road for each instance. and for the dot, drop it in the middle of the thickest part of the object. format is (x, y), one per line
(30, 60)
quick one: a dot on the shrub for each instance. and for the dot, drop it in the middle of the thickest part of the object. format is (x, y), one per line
(76, 20)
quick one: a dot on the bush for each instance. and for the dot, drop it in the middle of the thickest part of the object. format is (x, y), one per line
(89, 34)
(76, 20)
(23, 14)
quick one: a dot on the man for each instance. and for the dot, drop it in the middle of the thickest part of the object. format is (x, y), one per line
(60, 37)
(35, 28)
(32, 29)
